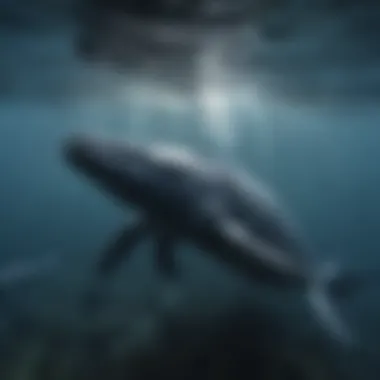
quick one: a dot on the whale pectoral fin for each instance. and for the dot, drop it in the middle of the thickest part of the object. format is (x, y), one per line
(121, 247)
(165, 256)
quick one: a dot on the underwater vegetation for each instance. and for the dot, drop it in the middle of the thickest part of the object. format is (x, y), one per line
(238, 344)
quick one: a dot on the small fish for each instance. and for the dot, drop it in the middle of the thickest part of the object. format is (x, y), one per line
(184, 197)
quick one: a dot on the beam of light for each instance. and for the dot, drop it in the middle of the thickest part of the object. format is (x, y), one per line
(225, 100)
(225, 103)
(218, 103)
(213, 97)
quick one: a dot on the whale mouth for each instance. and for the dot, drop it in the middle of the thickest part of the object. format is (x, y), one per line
(86, 154)
(100, 158)
(75, 150)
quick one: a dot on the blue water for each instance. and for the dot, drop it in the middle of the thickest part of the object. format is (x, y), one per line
(320, 157)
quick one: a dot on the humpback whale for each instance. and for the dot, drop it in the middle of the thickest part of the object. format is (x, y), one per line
(185, 197)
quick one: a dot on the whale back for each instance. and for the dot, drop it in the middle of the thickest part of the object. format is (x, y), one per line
(260, 210)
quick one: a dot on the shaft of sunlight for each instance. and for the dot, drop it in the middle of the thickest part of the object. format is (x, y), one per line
(221, 105)
(213, 98)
